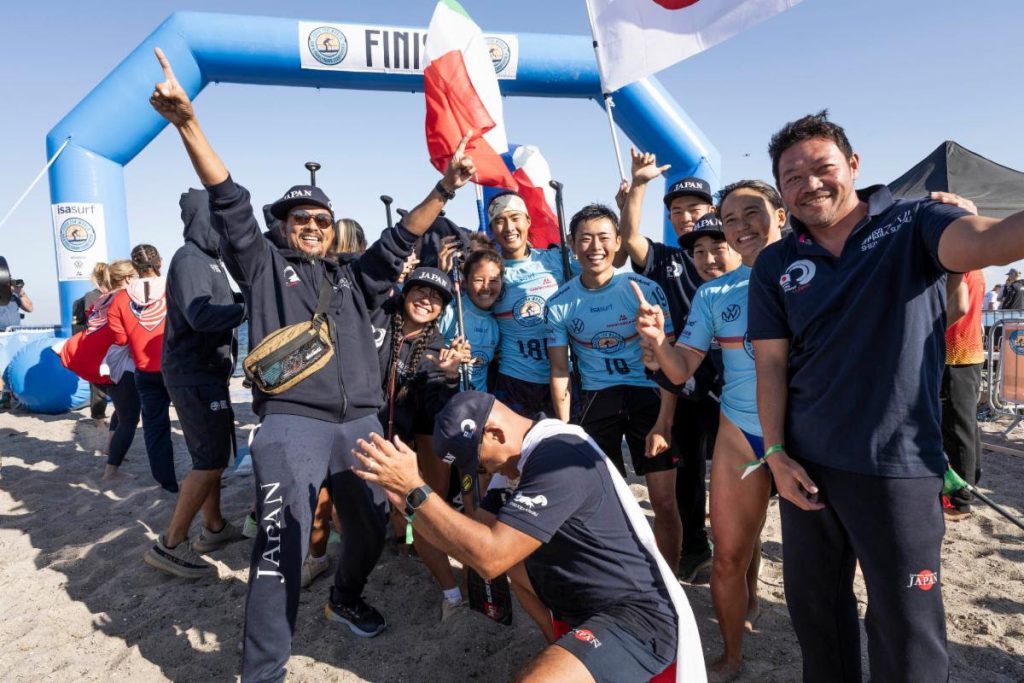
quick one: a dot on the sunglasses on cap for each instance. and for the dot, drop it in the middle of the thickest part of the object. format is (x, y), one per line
(303, 217)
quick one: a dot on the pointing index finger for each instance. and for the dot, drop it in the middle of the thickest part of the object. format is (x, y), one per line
(639, 293)
(164, 64)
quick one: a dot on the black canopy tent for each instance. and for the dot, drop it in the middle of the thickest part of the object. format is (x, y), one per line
(997, 190)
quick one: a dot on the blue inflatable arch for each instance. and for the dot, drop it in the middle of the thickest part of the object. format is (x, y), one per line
(115, 122)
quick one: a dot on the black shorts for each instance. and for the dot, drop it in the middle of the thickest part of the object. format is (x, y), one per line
(608, 415)
(610, 653)
(208, 422)
(525, 398)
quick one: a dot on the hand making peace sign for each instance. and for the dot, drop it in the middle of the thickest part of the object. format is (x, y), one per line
(461, 168)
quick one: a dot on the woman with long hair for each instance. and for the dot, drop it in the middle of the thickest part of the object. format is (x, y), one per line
(93, 355)
(137, 318)
(752, 215)
(420, 374)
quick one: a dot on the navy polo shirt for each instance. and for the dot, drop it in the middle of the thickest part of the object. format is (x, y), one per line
(867, 337)
(590, 560)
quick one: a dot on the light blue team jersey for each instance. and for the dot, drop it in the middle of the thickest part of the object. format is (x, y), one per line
(520, 313)
(719, 312)
(601, 326)
(482, 333)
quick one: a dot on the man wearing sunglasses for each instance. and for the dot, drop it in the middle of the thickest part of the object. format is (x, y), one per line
(308, 431)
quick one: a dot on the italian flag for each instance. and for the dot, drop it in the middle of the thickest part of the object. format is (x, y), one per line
(462, 94)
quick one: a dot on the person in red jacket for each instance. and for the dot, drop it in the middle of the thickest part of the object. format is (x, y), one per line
(137, 318)
(92, 355)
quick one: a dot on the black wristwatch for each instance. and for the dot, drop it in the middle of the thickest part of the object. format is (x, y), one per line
(415, 498)
(448, 195)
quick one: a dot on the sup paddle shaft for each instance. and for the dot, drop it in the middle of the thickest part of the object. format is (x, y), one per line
(312, 167)
(387, 209)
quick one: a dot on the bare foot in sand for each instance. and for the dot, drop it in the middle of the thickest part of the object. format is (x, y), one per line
(725, 670)
(112, 473)
(753, 614)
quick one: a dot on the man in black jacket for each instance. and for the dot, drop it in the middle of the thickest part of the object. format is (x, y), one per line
(197, 362)
(307, 432)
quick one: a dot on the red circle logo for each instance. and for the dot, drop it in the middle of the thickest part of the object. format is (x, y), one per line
(676, 4)
(584, 635)
(926, 580)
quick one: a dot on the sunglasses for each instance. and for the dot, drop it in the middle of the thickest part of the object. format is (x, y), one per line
(303, 217)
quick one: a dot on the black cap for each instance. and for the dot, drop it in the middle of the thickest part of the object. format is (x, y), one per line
(297, 196)
(707, 225)
(698, 187)
(430, 277)
(459, 428)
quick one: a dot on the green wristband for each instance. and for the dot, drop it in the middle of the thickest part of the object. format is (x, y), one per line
(774, 448)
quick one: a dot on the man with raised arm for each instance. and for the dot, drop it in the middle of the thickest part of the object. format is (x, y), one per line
(696, 418)
(307, 432)
(847, 315)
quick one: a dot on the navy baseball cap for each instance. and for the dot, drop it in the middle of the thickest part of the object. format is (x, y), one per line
(459, 428)
(708, 225)
(433, 278)
(297, 196)
(693, 185)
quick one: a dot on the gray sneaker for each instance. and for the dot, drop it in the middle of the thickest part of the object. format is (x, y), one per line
(180, 560)
(209, 541)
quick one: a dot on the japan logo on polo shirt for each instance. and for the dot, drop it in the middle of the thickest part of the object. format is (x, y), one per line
(797, 276)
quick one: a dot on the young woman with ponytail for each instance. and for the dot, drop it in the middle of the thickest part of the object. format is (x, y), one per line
(94, 355)
(137, 317)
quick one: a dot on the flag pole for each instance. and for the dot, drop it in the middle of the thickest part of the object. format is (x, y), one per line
(480, 211)
(608, 103)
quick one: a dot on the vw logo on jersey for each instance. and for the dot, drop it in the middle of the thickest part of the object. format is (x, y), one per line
(748, 346)
(797, 276)
(529, 311)
(731, 313)
(607, 342)
(577, 325)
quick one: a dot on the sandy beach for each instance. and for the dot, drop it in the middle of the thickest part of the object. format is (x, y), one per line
(78, 603)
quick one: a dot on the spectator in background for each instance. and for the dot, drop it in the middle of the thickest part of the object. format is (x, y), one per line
(196, 366)
(10, 316)
(992, 298)
(80, 310)
(961, 383)
(1012, 297)
(138, 318)
(351, 238)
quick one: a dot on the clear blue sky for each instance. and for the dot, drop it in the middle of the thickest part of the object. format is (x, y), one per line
(900, 75)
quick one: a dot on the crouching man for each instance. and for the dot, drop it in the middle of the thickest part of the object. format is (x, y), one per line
(586, 545)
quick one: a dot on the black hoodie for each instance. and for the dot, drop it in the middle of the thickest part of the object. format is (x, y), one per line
(281, 287)
(201, 310)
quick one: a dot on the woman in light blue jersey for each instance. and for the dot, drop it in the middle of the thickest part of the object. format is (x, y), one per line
(482, 275)
(752, 216)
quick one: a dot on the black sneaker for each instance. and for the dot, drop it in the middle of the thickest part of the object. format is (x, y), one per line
(692, 564)
(361, 618)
